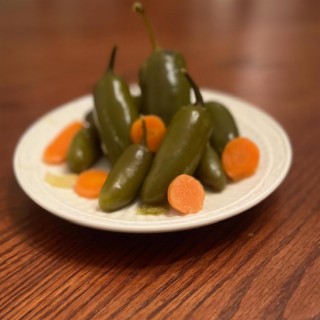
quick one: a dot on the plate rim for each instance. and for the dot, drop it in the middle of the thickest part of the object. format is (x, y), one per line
(152, 226)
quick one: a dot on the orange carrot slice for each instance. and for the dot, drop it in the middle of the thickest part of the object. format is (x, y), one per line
(56, 151)
(186, 194)
(156, 131)
(90, 182)
(240, 158)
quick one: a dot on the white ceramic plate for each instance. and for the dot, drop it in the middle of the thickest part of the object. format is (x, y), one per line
(274, 145)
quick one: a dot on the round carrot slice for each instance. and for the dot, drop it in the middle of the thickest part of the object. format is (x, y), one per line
(240, 158)
(90, 182)
(156, 131)
(186, 194)
(56, 151)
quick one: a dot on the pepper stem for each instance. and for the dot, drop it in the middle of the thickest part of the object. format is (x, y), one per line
(112, 59)
(195, 88)
(139, 8)
(144, 132)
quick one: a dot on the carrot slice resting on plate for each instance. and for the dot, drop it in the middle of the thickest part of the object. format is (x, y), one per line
(156, 131)
(186, 194)
(56, 151)
(90, 182)
(240, 158)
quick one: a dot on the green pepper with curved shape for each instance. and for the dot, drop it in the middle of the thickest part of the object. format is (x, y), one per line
(84, 150)
(210, 171)
(181, 149)
(126, 177)
(164, 87)
(225, 127)
(91, 119)
(115, 111)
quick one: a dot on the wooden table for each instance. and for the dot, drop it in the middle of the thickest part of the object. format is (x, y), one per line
(262, 264)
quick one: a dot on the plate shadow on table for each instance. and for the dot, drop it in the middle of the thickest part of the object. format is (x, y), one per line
(47, 234)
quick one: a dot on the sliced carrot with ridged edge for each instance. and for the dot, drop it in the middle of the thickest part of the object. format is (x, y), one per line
(186, 194)
(90, 182)
(57, 149)
(240, 158)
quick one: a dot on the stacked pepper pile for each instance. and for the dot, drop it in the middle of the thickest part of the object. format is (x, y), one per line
(159, 143)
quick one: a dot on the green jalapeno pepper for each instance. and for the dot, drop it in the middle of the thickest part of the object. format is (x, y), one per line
(210, 171)
(115, 110)
(164, 87)
(225, 127)
(84, 150)
(126, 177)
(181, 149)
(90, 118)
(138, 102)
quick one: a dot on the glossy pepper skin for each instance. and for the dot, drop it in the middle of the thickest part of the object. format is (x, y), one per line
(125, 178)
(90, 118)
(164, 87)
(115, 111)
(225, 127)
(84, 150)
(138, 102)
(180, 151)
(210, 171)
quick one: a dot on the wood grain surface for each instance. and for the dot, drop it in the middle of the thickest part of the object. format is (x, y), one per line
(262, 264)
